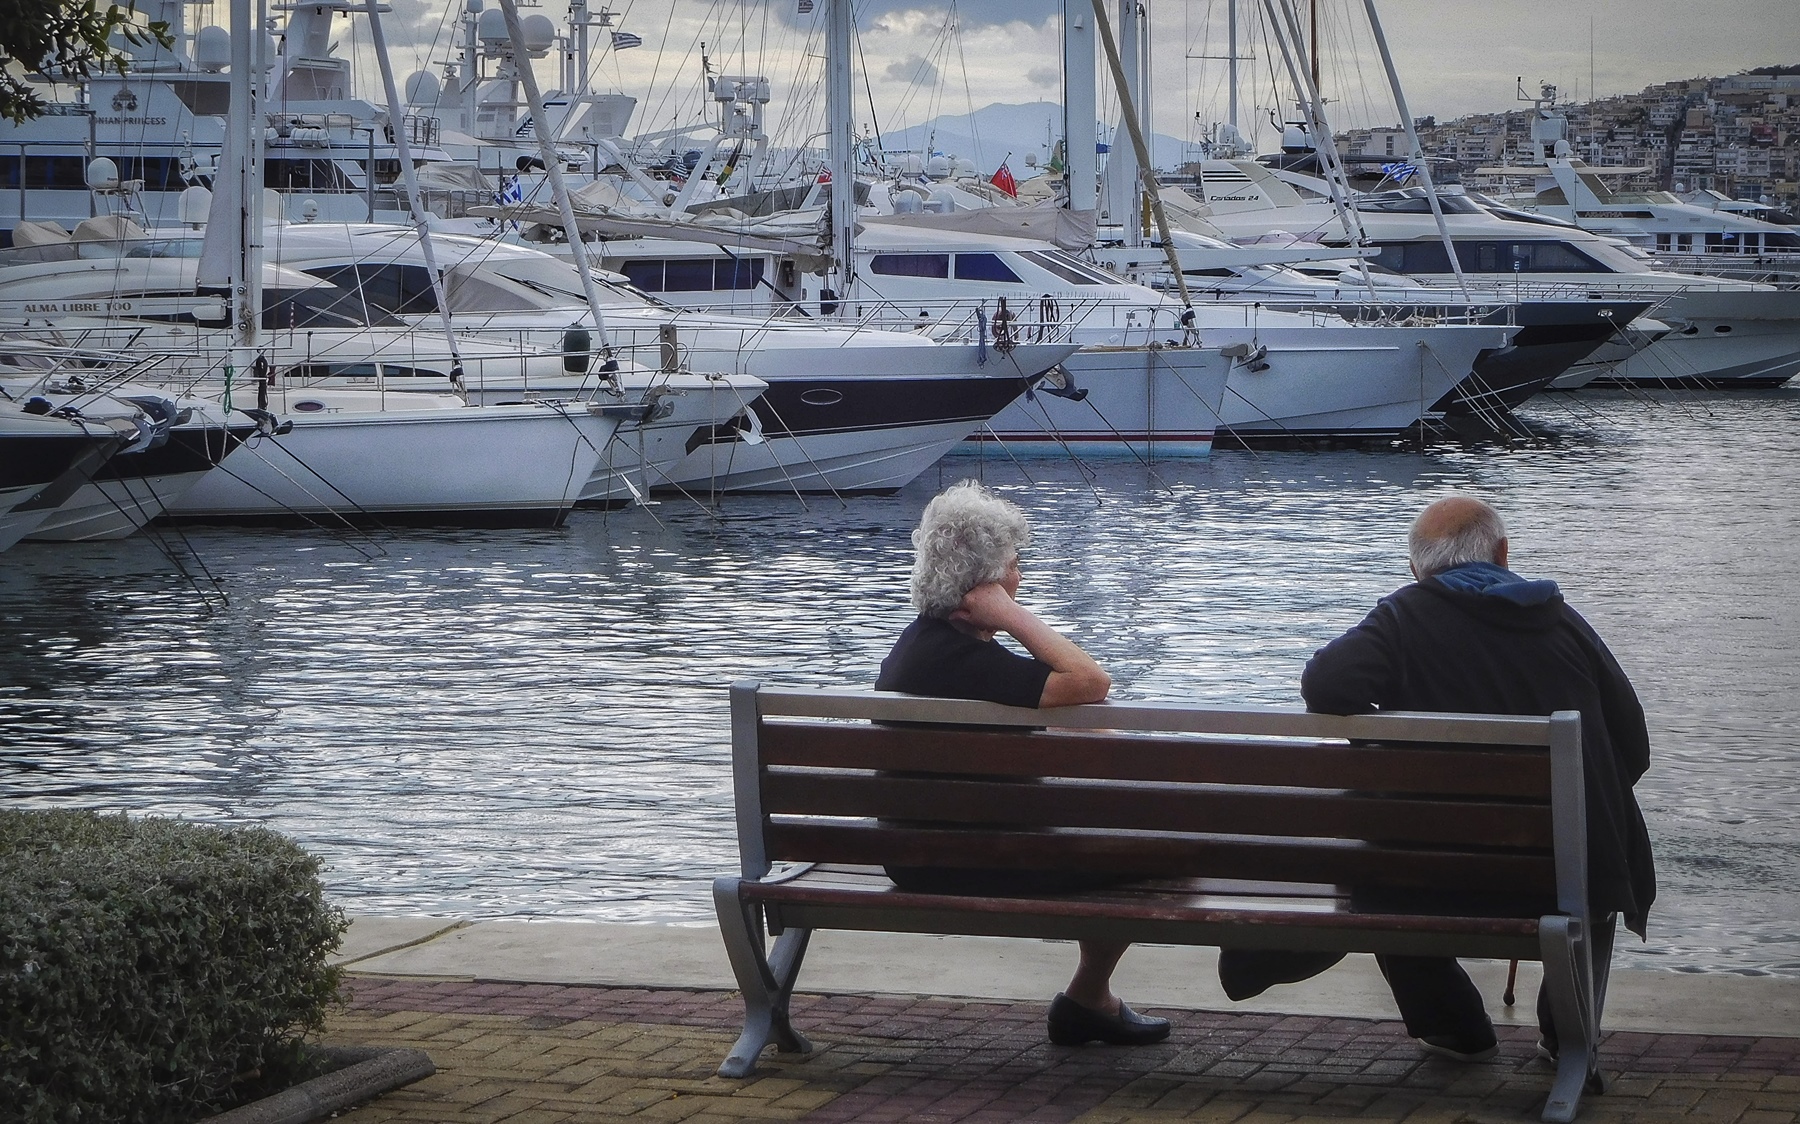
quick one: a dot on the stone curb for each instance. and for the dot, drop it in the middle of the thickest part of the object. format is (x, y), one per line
(370, 1072)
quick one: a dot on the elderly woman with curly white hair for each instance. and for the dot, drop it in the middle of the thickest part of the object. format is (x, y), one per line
(964, 583)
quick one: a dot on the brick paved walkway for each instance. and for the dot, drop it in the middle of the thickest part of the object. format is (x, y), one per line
(543, 1054)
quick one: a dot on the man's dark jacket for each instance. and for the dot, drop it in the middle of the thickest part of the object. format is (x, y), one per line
(1477, 639)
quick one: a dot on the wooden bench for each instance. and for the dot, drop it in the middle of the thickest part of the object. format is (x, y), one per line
(1248, 826)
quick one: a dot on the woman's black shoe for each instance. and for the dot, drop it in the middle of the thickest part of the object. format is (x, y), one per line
(1071, 1024)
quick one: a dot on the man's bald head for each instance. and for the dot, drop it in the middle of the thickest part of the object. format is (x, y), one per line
(1454, 531)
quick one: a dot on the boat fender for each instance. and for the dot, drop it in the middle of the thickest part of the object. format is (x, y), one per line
(576, 347)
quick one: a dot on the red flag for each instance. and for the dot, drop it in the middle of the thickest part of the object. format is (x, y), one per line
(824, 176)
(1003, 181)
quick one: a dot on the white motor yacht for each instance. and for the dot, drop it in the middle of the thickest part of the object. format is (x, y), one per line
(801, 405)
(1722, 333)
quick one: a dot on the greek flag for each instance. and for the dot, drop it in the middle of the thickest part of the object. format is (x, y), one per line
(1399, 171)
(624, 39)
(510, 191)
(806, 6)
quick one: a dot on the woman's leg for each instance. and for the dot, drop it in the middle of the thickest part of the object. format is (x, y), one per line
(1092, 983)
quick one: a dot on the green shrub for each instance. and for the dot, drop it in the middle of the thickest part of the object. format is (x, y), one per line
(150, 969)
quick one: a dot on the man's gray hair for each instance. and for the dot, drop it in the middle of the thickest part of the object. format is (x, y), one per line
(967, 537)
(1452, 532)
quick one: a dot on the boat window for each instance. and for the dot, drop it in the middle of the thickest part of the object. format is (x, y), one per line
(644, 273)
(688, 275)
(984, 267)
(404, 290)
(159, 173)
(911, 265)
(1413, 201)
(1780, 240)
(44, 171)
(1524, 256)
(304, 175)
(1065, 267)
(738, 273)
(325, 306)
(1546, 257)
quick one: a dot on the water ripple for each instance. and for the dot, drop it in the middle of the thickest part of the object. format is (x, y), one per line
(490, 724)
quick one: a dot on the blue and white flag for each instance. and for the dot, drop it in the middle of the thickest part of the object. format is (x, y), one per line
(806, 6)
(510, 191)
(1399, 171)
(623, 39)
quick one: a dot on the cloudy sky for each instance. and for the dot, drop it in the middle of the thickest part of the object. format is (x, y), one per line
(922, 59)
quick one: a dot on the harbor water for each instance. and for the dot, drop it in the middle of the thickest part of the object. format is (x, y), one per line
(483, 723)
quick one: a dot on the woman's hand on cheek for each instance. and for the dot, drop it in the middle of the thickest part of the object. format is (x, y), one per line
(987, 608)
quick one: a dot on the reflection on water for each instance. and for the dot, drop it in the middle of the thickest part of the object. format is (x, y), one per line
(487, 723)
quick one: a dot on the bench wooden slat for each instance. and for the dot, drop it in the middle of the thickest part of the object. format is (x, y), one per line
(1499, 772)
(814, 702)
(1147, 807)
(1150, 902)
(1514, 873)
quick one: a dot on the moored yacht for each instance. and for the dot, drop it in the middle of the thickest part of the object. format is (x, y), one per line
(1723, 333)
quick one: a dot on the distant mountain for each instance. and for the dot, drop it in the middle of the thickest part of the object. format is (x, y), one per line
(988, 135)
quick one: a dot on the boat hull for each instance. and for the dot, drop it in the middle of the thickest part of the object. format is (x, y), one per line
(1358, 382)
(496, 465)
(1140, 402)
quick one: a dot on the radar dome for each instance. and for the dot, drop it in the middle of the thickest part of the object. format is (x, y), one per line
(422, 88)
(938, 167)
(212, 49)
(195, 206)
(490, 26)
(102, 174)
(539, 32)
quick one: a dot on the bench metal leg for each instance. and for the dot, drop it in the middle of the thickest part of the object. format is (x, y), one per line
(766, 981)
(1574, 1014)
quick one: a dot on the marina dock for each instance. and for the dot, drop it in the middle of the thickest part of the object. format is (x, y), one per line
(553, 1021)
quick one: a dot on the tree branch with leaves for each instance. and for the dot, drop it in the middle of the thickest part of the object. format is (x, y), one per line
(64, 40)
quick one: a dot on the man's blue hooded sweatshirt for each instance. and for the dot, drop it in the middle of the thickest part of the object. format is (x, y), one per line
(1479, 639)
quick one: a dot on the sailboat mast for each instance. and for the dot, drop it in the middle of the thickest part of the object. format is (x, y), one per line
(1146, 173)
(409, 177)
(244, 118)
(840, 93)
(1081, 174)
(1418, 151)
(1232, 60)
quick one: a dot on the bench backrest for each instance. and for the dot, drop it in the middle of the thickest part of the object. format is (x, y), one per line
(1435, 803)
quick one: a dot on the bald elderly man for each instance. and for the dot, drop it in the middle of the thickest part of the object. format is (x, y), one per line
(1472, 636)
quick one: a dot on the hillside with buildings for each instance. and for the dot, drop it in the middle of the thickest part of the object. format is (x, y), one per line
(1738, 135)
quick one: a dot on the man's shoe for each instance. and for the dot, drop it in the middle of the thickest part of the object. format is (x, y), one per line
(1458, 1049)
(1072, 1024)
(1546, 1049)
